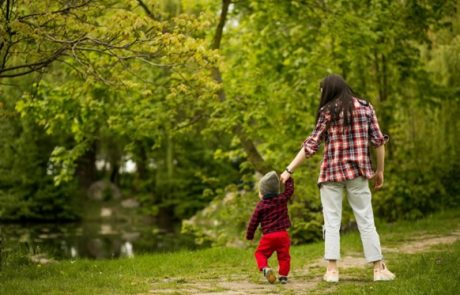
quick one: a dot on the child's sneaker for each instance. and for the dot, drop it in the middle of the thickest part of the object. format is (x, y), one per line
(383, 274)
(331, 276)
(269, 275)
(283, 280)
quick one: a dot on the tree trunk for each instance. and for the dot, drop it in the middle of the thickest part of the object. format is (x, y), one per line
(169, 159)
(381, 73)
(86, 168)
(114, 175)
(165, 218)
(384, 79)
(378, 79)
(141, 162)
(248, 145)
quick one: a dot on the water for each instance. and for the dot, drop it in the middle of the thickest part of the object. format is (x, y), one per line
(93, 240)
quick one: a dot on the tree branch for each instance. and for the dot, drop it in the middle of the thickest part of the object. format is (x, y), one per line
(63, 10)
(248, 145)
(146, 9)
(32, 66)
(217, 42)
(220, 26)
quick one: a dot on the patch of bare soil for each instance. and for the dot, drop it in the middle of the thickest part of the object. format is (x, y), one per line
(423, 243)
(296, 285)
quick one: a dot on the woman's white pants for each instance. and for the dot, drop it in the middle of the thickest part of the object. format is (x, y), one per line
(359, 198)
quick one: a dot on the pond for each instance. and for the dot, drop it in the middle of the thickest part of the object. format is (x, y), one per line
(93, 240)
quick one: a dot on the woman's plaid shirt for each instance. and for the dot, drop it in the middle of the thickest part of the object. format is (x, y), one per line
(346, 150)
(272, 213)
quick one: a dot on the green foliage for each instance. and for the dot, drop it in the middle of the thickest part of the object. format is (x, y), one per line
(27, 190)
(114, 81)
(420, 171)
(224, 220)
(272, 70)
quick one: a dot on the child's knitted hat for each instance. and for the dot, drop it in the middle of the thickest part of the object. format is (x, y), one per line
(269, 184)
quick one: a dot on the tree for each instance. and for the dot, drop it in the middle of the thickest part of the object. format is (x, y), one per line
(107, 46)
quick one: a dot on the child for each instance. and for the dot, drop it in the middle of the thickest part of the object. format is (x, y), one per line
(272, 213)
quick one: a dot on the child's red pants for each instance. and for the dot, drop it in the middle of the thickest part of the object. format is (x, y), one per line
(271, 242)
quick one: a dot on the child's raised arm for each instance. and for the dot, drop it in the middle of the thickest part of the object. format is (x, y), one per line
(288, 189)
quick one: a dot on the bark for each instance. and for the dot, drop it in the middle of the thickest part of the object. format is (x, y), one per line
(114, 175)
(169, 159)
(381, 74)
(142, 161)
(377, 73)
(384, 79)
(146, 9)
(86, 168)
(252, 153)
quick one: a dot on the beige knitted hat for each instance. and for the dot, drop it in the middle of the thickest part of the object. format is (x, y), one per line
(269, 184)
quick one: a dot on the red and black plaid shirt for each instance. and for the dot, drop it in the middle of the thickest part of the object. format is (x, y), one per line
(272, 213)
(346, 150)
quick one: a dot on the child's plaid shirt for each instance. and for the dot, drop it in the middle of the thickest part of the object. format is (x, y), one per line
(346, 150)
(272, 213)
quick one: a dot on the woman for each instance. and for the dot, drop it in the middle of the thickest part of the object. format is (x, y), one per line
(347, 125)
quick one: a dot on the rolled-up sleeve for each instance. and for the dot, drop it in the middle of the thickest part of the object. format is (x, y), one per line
(376, 137)
(312, 143)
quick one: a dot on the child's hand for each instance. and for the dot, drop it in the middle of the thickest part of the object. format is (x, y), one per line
(378, 180)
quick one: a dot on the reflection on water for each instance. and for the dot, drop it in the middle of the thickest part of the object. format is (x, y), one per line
(91, 240)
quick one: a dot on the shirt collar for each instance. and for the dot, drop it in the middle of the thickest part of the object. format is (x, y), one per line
(270, 196)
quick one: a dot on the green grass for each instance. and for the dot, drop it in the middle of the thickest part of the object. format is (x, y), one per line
(424, 273)
(433, 272)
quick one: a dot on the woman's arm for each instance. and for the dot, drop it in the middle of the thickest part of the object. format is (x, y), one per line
(378, 140)
(378, 176)
(310, 145)
(299, 159)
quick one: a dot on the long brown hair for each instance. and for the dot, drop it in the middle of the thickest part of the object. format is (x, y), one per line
(336, 98)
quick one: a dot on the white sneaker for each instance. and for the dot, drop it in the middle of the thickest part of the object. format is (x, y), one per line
(383, 274)
(331, 276)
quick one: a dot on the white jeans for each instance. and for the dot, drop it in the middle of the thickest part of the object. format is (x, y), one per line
(359, 198)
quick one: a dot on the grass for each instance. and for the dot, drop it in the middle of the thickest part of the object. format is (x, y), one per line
(431, 272)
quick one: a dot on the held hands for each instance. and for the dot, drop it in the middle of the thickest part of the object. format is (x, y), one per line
(378, 180)
(285, 176)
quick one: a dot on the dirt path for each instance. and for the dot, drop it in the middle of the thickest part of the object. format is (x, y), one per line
(423, 243)
(301, 280)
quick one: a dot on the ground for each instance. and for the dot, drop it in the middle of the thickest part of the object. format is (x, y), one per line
(308, 277)
(424, 255)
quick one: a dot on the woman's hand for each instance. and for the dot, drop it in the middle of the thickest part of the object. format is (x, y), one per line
(285, 176)
(378, 180)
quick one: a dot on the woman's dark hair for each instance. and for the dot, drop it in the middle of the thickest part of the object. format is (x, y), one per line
(336, 98)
